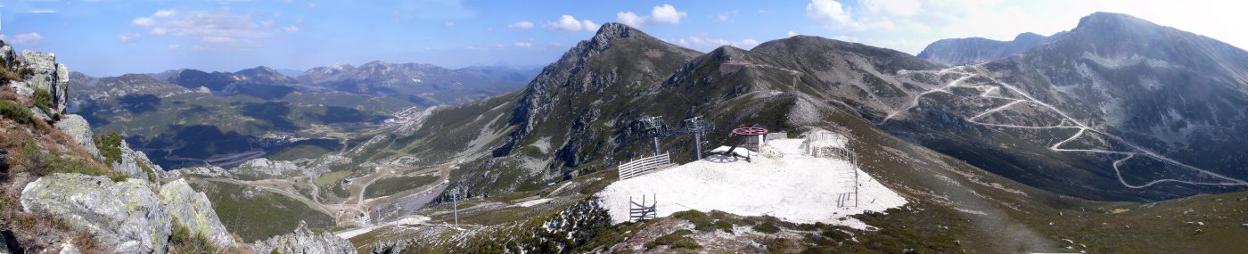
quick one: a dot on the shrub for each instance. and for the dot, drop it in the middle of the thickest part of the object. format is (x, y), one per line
(13, 110)
(43, 100)
(700, 221)
(767, 227)
(184, 241)
(41, 163)
(118, 176)
(151, 173)
(675, 240)
(109, 146)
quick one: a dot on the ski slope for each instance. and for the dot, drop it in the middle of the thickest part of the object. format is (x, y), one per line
(1067, 122)
(790, 186)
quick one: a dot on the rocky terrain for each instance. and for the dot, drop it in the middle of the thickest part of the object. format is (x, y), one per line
(1084, 142)
(962, 51)
(68, 190)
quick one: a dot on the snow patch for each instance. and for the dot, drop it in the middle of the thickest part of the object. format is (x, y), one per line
(793, 187)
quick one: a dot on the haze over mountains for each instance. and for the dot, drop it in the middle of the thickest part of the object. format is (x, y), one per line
(190, 117)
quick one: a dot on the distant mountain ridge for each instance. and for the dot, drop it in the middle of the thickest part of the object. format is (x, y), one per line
(961, 51)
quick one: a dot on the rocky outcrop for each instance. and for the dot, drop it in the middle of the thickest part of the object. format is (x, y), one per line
(193, 210)
(127, 216)
(265, 168)
(78, 129)
(304, 241)
(208, 171)
(44, 73)
(135, 164)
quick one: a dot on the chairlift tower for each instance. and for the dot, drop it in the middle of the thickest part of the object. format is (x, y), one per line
(696, 126)
(654, 128)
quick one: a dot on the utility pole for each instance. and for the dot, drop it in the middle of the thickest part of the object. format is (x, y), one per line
(655, 125)
(695, 126)
(455, 204)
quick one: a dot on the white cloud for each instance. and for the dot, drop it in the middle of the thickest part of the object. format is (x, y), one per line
(629, 18)
(127, 37)
(792, 33)
(902, 8)
(726, 16)
(218, 27)
(165, 13)
(522, 44)
(43, 11)
(831, 14)
(666, 13)
(706, 43)
(570, 23)
(23, 38)
(660, 14)
(522, 25)
(173, 46)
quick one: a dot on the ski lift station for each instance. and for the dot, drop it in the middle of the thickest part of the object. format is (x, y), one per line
(812, 178)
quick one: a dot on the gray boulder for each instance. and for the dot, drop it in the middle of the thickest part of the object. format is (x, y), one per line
(265, 168)
(46, 74)
(304, 241)
(126, 216)
(209, 171)
(7, 55)
(193, 210)
(78, 129)
(135, 164)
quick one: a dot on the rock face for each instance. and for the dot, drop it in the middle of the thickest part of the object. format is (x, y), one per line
(265, 168)
(127, 216)
(45, 74)
(964, 51)
(135, 164)
(617, 64)
(78, 129)
(304, 241)
(193, 210)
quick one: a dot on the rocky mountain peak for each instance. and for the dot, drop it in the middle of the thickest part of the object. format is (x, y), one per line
(1109, 21)
(612, 30)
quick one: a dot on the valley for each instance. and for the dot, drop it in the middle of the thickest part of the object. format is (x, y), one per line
(1117, 135)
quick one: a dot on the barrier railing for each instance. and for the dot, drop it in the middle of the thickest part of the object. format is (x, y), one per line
(644, 166)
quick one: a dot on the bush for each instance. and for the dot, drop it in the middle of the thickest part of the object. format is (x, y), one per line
(184, 241)
(43, 100)
(700, 221)
(41, 164)
(109, 146)
(767, 227)
(675, 240)
(118, 176)
(13, 110)
(151, 173)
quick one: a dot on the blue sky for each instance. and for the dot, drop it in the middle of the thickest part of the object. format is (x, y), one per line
(104, 37)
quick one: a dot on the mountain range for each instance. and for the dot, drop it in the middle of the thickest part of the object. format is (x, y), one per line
(1119, 135)
(189, 117)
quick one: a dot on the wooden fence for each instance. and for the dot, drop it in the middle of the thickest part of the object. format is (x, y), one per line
(644, 166)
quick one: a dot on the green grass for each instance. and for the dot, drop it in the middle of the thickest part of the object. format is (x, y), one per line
(388, 186)
(182, 240)
(256, 214)
(43, 100)
(15, 111)
(675, 240)
(109, 146)
(41, 163)
(299, 152)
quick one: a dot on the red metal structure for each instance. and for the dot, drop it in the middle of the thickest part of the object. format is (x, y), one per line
(749, 131)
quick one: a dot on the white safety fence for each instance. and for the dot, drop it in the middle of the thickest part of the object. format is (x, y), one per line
(644, 166)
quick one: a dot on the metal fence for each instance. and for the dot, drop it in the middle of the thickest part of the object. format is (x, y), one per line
(644, 166)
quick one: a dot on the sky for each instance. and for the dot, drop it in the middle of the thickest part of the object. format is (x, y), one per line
(112, 37)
